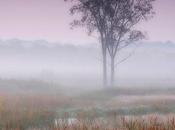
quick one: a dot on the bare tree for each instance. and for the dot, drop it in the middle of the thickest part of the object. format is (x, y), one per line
(114, 21)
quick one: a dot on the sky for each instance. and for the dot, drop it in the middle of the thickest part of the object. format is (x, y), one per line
(50, 19)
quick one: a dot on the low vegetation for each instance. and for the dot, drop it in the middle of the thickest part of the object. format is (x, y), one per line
(52, 108)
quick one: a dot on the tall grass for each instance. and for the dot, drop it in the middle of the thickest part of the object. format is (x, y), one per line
(25, 111)
(52, 111)
(31, 114)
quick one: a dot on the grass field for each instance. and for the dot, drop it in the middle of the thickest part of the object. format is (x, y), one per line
(31, 105)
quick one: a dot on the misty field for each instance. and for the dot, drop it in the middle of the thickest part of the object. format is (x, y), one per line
(32, 104)
(87, 65)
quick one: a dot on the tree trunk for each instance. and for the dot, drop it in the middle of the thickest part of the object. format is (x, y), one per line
(104, 68)
(112, 71)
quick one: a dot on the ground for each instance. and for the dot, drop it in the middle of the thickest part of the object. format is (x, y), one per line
(37, 104)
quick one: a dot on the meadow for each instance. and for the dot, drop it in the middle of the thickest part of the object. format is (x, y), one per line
(39, 105)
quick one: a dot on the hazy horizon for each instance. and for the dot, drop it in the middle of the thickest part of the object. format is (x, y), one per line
(151, 63)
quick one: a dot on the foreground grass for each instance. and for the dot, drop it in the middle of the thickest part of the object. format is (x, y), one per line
(40, 112)
(149, 123)
(35, 105)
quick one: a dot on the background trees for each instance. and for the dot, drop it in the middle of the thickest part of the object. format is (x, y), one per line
(115, 21)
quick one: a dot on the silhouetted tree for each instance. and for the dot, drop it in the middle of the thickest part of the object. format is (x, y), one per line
(93, 17)
(114, 21)
(121, 21)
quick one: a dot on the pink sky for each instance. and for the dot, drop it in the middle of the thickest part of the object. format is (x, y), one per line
(49, 20)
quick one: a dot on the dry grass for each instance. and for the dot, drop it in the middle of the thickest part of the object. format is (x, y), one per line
(24, 111)
(149, 123)
(39, 111)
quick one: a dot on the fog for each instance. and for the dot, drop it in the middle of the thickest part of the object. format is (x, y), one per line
(150, 63)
